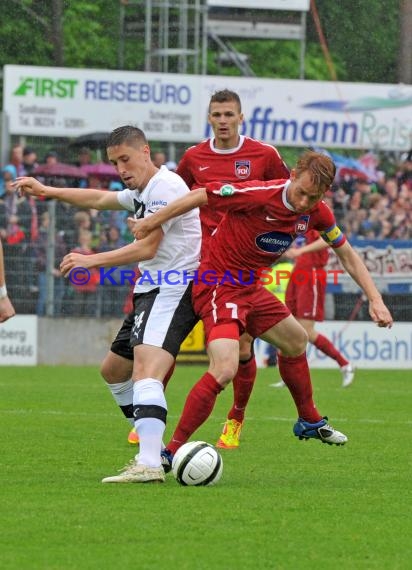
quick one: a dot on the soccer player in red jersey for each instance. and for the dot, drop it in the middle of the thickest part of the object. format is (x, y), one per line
(230, 157)
(261, 221)
(305, 298)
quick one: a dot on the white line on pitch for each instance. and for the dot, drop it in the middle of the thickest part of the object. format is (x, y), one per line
(21, 412)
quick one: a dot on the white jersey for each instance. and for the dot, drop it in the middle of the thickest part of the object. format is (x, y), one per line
(179, 250)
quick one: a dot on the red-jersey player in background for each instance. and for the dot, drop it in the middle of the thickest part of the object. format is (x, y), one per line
(262, 219)
(306, 299)
(230, 157)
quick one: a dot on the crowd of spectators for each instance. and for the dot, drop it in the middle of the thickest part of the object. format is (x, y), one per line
(26, 226)
(376, 210)
(381, 209)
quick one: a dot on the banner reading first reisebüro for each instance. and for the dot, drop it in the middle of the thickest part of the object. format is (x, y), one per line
(50, 101)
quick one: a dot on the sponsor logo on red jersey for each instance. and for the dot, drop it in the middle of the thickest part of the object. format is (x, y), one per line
(273, 242)
(242, 168)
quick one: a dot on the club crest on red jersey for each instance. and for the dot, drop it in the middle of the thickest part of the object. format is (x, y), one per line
(302, 224)
(242, 168)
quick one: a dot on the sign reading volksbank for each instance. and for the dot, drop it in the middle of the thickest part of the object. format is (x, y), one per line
(365, 345)
(172, 107)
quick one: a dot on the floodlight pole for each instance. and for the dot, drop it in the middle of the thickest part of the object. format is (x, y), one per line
(50, 258)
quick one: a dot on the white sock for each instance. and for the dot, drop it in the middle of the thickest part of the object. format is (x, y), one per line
(122, 392)
(150, 430)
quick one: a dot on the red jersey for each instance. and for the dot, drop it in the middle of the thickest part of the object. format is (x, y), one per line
(316, 259)
(250, 160)
(259, 226)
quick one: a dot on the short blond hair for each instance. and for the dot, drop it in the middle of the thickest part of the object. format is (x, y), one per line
(322, 169)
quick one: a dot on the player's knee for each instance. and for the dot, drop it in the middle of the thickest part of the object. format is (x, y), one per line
(106, 372)
(297, 344)
(245, 348)
(113, 374)
(224, 372)
(245, 353)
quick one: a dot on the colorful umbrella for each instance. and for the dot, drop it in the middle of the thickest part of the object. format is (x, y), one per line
(59, 169)
(100, 170)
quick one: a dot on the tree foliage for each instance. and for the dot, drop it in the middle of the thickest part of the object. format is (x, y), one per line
(279, 59)
(91, 34)
(362, 38)
(24, 33)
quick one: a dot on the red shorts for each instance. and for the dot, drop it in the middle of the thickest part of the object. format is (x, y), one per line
(306, 299)
(253, 307)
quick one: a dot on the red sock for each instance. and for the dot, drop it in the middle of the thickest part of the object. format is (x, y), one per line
(243, 384)
(169, 375)
(198, 407)
(294, 371)
(324, 345)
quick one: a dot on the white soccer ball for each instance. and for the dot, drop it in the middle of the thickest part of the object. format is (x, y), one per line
(197, 463)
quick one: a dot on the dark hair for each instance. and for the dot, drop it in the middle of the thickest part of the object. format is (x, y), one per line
(224, 96)
(321, 168)
(133, 136)
(51, 154)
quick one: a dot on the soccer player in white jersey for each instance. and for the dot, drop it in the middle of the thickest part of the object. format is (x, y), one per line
(261, 221)
(6, 308)
(163, 314)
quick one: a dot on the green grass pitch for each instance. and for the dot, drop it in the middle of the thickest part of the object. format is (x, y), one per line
(281, 503)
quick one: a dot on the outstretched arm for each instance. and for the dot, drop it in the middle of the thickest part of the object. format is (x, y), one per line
(6, 308)
(131, 253)
(353, 264)
(83, 197)
(142, 227)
